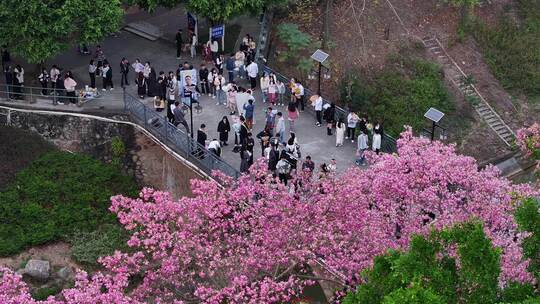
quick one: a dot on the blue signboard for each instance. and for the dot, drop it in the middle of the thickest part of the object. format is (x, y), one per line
(218, 30)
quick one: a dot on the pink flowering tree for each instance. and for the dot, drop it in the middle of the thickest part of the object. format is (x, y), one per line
(255, 241)
(528, 140)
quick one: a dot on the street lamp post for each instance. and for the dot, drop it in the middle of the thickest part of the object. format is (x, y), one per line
(434, 116)
(320, 57)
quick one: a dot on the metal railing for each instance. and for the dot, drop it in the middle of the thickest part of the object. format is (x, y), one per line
(388, 143)
(27, 94)
(175, 138)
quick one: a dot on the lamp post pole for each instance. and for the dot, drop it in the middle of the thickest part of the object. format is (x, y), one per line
(319, 80)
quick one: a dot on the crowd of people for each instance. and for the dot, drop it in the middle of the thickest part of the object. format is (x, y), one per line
(283, 103)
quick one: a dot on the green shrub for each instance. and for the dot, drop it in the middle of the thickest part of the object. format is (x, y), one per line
(87, 246)
(512, 51)
(399, 95)
(118, 150)
(58, 194)
(41, 294)
(528, 219)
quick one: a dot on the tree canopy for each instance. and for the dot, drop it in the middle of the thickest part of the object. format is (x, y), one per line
(36, 30)
(254, 241)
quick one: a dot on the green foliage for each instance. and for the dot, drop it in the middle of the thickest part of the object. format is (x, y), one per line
(299, 48)
(516, 292)
(400, 95)
(118, 150)
(43, 293)
(89, 246)
(511, 51)
(528, 219)
(37, 30)
(427, 273)
(58, 194)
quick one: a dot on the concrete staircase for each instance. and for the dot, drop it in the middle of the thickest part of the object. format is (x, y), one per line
(144, 29)
(459, 79)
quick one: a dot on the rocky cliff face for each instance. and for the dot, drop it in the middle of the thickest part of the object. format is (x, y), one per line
(150, 164)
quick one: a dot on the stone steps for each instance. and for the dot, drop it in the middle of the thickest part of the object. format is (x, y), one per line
(457, 77)
(145, 30)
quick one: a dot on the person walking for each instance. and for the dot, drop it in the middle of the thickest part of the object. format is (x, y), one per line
(280, 128)
(179, 43)
(362, 147)
(352, 121)
(252, 71)
(193, 45)
(223, 129)
(293, 114)
(44, 81)
(329, 117)
(249, 109)
(124, 70)
(230, 66)
(69, 85)
(107, 76)
(340, 132)
(377, 137)
(179, 116)
(318, 105)
(231, 98)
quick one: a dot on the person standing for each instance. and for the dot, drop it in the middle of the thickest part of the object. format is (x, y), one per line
(281, 92)
(264, 139)
(270, 120)
(193, 45)
(211, 81)
(283, 168)
(219, 83)
(92, 67)
(223, 129)
(240, 59)
(124, 70)
(352, 121)
(272, 91)
(6, 58)
(300, 96)
(8, 73)
(201, 135)
(273, 158)
(179, 43)
(362, 147)
(44, 80)
(265, 83)
(162, 86)
(107, 76)
(318, 104)
(329, 117)
(308, 165)
(219, 63)
(249, 110)
(252, 71)
(151, 82)
(248, 144)
(18, 81)
(231, 98)
(55, 72)
(69, 85)
(172, 86)
(244, 130)
(137, 68)
(214, 49)
(230, 66)
(141, 86)
(203, 78)
(244, 161)
(179, 116)
(280, 128)
(340, 132)
(293, 114)
(377, 137)
(99, 56)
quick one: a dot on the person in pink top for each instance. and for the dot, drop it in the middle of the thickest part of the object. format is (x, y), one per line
(70, 85)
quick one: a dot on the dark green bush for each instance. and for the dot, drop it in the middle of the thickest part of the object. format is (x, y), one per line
(528, 219)
(43, 293)
(58, 194)
(400, 95)
(88, 246)
(512, 50)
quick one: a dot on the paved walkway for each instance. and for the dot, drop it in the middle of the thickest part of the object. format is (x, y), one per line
(313, 140)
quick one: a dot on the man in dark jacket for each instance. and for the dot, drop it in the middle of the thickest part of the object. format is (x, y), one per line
(179, 116)
(273, 158)
(124, 69)
(179, 43)
(203, 77)
(230, 66)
